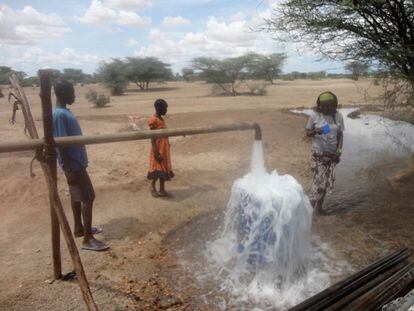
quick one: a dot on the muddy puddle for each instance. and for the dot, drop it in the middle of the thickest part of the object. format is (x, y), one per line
(375, 149)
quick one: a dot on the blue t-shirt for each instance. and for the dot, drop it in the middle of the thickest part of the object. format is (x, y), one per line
(66, 124)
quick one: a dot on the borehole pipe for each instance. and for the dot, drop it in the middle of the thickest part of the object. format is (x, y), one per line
(33, 144)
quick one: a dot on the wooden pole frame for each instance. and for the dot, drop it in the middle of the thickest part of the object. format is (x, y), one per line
(49, 171)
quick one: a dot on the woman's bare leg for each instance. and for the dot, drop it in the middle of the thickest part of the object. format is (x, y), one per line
(153, 188)
(162, 187)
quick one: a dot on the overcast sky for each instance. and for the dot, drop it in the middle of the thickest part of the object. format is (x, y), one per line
(82, 33)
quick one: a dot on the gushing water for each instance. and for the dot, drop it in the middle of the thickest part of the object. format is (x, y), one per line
(264, 251)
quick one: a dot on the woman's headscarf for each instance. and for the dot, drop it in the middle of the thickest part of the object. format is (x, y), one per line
(327, 99)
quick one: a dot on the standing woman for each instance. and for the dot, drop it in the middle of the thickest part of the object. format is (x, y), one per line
(160, 161)
(325, 126)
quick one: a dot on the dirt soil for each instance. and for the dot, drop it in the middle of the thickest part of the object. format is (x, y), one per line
(138, 272)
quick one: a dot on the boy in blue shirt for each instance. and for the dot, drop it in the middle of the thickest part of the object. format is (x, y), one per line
(74, 161)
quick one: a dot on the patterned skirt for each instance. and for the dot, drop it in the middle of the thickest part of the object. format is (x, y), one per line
(322, 168)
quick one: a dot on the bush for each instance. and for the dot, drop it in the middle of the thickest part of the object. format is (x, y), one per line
(258, 88)
(221, 89)
(99, 100)
(113, 76)
(1, 93)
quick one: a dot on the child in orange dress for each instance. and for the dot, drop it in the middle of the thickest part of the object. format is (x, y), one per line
(160, 160)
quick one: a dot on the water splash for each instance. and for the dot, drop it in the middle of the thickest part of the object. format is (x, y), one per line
(257, 166)
(264, 254)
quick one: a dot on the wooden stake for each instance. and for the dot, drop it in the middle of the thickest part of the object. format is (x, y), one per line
(50, 158)
(50, 174)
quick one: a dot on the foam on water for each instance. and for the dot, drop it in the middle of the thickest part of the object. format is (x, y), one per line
(263, 256)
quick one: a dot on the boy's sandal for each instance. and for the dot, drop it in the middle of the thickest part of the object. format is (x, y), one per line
(94, 230)
(97, 248)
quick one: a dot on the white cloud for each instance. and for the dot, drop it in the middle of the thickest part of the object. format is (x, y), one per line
(195, 38)
(113, 30)
(175, 21)
(132, 42)
(33, 58)
(238, 16)
(98, 14)
(235, 32)
(27, 26)
(156, 35)
(220, 39)
(275, 4)
(132, 19)
(128, 4)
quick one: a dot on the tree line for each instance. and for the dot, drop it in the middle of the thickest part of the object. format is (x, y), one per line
(70, 74)
(227, 75)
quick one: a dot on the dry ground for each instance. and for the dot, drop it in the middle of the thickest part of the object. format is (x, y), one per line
(131, 274)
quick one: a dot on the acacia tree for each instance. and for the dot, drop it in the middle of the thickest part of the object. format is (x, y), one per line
(113, 76)
(381, 31)
(142, 71)
(224, 73)
(266, 67)
(6, 72)
(74, 75)
(357, 69)
(187, 73)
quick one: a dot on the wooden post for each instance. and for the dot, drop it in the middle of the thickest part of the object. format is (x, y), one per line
(49, 170)
(50, 158)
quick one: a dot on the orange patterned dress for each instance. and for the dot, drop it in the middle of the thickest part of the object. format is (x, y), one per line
(163, 169)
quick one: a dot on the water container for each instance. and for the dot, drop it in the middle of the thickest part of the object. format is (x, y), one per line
(326, 128)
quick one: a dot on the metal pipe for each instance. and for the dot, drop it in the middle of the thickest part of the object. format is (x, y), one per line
(257, 131)
(323, 304)
(130, 136)
(384, 292)
(340, 289)
(340, 305)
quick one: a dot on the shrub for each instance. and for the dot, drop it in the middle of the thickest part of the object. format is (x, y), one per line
(99, 100)
(113, 76)
(258, 88)
(1, 93)
(220, 90)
